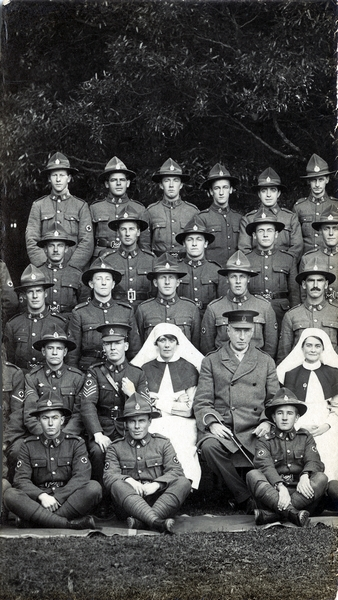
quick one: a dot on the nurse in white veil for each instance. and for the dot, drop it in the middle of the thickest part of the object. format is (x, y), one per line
(171, 364)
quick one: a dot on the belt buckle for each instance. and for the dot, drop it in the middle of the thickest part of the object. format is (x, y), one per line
(131, 295)
(267, 295)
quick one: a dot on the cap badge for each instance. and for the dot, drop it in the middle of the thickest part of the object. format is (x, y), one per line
(316, 169)
(111, 331)
(238, 261)
(137, 406)
(33, 276)
(195, 227)
(244, 318)
(167, 266)
(221, 172)
(263, 215)
(56, 233)
(125, 215)
(286, 398)
(49, 403)
(118, 166)
(172, 168)
(55, 334)
(315, 268)
(330, 217)
(57, 161)
(268, 179)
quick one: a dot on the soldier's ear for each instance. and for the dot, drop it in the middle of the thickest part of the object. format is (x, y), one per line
(106, 183)
(62, 419)
(126, 346)
(279, 193)
(128, 183)
(43, 351)
(254, 236)
(303, 285)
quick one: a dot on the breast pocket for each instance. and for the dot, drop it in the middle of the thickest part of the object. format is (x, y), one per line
(68, 397)
(278, 459)
(91, 337)
(159, 230)
(184, 323)
(305, 221)
(72, 223)
(280, 275)
(127, 466)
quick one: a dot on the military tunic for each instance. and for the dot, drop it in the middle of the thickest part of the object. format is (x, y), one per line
(165, 220)
(102, 401)
(134, 286)
(9, 299)
(324, 316)
(223, 223)
(276, 279)
(65, 293)
(289, 239)
(13, 395)
(214, 325)
(74, 216)
(67, 382)
(309, 210)
(106, 210)
(23, 330)
(203, 282)
(179, 311)
(328, 258)
(82, 329)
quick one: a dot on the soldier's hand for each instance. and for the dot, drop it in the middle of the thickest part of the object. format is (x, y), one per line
(220, 430)
(137, 485)
(150, 488)
(127, 387)
(304, 486)
(284, 499)
(262, 429)
(48, 502)
(102, 440)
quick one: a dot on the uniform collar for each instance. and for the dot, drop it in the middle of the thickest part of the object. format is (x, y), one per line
(127, 254)
(330, 251)
(237, 299)
(265, 252)
(50, 265)
(115, 368)
(219, 209)
(324, 198)
(52, 443)
(270, 209)
(117, 199)
(99, 304)
(194, 263)
(40, 315)
(165, 301)
(58, 373)
(313, 307)
(285, 435)
(171, 204)
(133, 443)
(63, 196)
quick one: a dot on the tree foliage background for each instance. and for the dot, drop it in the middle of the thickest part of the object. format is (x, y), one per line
(249, 84)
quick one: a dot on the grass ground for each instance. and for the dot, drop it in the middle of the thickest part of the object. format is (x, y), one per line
(273, 564)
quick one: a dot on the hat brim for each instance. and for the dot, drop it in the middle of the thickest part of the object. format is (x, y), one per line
(87, 276)
(180, 237)
(66, 412)
(258, 186)
(152, 275)
(154, 414)
(42, 243)
(205, 185)
(114, 225)
(237, 270)
(314, 175)
(302, 276)
(157, 177)
(251, 227)
(269, 410)
(105, 174)
(71, 170)
(39, 344)
(23, 288)
(317, 224)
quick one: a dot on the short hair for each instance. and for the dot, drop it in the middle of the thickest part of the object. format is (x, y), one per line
(168, 336)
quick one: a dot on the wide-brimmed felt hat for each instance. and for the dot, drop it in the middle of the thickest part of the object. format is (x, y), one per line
(59, 161)
(128, 214)
(238, 262)
(139, 404)
(283, 397)
(329, 216)
(111, 332)
(316, 167)
(170, 168)
(241, 318)
(194, 226)
(50, 401)
(99, 266)
(54, 333)
(264, 219)
(313, 266)
(32, 277)
(56, 233)
(218, 171)
(268, 178)
(166, 264)
(115, 165)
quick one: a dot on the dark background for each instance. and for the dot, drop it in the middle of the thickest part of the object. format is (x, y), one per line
(248, 84)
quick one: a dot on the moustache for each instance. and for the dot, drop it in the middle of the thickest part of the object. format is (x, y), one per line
(315, 289)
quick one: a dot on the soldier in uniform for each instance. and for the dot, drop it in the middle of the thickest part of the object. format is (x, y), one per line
(234, 385)
(60, 208)
(203, 282)
(289, 475)
(219, 219)
(109, 383)
(52, 486)
(315, 311)
(129, 259)
(14, 431)
(142, 472)
(101, 309)
(238, 271)
(327, 252)
(9, 299)
(168, 307)
(277, 269)
(116, 178)
(311, 208)
(269, 189)
(24, 329)
(168, 217)
(66, 279)
(54, 375)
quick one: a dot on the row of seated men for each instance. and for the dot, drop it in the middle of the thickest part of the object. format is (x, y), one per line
(148, 471)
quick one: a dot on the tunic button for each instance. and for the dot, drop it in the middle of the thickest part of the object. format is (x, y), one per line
(289, 466)
(138, 446)
(52, 457)
(139, 471)
(33, 334)
(288, 451)
(53, 472)
(138, 458)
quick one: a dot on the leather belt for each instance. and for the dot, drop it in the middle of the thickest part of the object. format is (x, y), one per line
(53, 484)
(174, 253)
(109, 411)
(274, 295)
(103, 243)
(131, 295)
(93, 353)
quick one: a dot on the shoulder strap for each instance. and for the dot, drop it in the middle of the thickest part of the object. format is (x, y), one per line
(108, 376)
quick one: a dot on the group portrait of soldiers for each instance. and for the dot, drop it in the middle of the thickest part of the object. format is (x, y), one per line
(148, 346)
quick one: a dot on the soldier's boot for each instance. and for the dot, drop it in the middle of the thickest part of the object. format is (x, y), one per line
(81, 502)
(297, 517)
(137, 507)
(264, 517)
(319, 484)
(166, 506)
(265, 494)
(30, 511)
